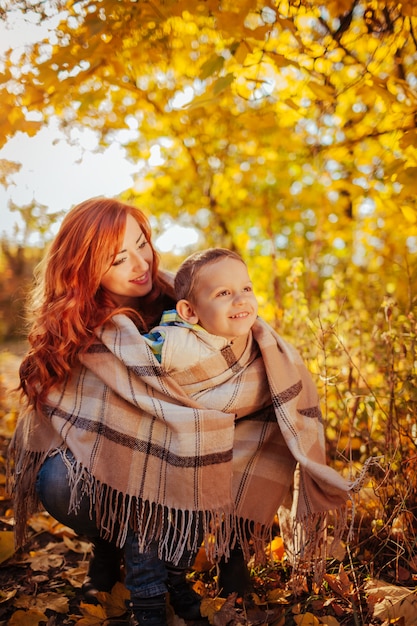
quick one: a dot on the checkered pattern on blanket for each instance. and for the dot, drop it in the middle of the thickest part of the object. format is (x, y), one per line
(174, 467)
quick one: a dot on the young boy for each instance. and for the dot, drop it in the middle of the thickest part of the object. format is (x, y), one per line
(206, 344)
(226, 358)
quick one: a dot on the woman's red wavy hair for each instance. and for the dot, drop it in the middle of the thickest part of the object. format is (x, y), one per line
(68, 303)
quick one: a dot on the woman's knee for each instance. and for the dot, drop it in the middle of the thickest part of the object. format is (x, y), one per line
(52, 486)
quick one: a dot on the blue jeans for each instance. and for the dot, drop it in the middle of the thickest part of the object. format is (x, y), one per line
(146, 574)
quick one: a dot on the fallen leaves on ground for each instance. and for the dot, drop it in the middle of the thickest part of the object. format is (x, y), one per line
(110, 606)
(340, 583)
(43, 601)
(42, 584)
(391, 603)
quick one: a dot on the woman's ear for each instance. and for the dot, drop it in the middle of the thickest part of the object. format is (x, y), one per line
(186, 311)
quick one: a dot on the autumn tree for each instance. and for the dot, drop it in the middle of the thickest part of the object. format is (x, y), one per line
(283, 128)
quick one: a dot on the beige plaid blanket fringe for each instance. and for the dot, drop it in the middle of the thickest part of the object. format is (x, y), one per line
(148, 454)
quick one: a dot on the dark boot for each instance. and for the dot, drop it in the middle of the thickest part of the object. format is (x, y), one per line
(149, 611)
(233, 574)
(103, 569)
(183, 599)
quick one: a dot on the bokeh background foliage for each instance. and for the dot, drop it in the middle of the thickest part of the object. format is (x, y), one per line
(287, 131)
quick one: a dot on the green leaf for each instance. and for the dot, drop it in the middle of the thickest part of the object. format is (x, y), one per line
(222, 83)
(212, 66)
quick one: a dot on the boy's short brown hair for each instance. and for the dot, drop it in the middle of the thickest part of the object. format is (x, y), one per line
(187, 275)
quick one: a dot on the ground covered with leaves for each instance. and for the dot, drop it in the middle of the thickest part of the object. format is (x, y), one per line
(372, 583)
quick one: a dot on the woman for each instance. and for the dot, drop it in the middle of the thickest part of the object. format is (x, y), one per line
(114, 447)
(102, 261)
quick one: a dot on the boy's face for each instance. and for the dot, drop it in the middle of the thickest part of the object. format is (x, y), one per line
(224, 301)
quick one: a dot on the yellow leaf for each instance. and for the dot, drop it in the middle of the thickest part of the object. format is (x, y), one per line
(7, 548)
(409, 213)
(240, 53)
(210, 606)
(114, 603)
(27, 618)
(276, 549)
(92, 614)
(254, 58)
(306, 619)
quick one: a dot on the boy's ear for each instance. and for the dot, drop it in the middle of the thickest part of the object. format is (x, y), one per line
(186, 310)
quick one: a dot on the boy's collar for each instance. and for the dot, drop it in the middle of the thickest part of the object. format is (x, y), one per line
(171, 318)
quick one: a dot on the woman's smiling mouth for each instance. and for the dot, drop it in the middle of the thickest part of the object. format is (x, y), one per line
(140, 279)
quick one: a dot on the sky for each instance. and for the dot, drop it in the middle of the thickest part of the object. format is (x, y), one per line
(57, 174)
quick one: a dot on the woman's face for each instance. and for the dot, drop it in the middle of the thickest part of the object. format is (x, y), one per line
(130, 275)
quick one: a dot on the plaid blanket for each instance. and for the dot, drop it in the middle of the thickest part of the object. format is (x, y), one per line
(148, 454)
